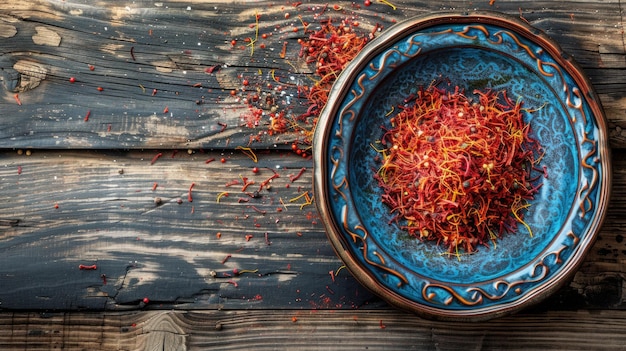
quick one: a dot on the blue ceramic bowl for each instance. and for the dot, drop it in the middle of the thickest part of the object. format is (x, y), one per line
(473, 51)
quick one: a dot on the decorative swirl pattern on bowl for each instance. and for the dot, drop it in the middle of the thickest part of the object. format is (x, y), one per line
(476, 51)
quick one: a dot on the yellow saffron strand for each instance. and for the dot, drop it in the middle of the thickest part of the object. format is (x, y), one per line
(248, 152)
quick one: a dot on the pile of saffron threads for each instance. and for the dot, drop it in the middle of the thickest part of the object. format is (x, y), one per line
(458, 172)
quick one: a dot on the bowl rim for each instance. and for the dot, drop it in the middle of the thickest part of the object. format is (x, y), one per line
(338, 93)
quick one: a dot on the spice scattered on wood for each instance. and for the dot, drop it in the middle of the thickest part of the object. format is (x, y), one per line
(267, 239)
(221, 195)
(232, 182)
(393, 7)
(293, 178)
(246, 183)
(308, 199)
(222, 125)
(256, 209)
(156, 157)
(248, 152)
(329, 49)
(189, 197)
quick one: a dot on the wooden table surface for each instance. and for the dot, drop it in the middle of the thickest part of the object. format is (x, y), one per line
(223, 269)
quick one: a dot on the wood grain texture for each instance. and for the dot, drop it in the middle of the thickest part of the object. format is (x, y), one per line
(306, 330)
(169, 46)
(171, 253)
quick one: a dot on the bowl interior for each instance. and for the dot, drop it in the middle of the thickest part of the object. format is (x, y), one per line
(469, 68)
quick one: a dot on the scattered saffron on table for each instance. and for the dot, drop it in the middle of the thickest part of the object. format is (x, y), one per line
(156, 157)
(221, 195)
(248, 152)
(226, 258)
(293, 178)
(457, 171)
(393, 7)
(256, 209)
(189, 197)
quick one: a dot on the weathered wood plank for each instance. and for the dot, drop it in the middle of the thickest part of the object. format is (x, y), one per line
(307, 330)
(107, 216)
(137, 48)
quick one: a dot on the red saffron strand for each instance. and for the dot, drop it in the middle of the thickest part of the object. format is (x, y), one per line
(258, 209)
(189, 197)
(267, 239)
(297, 176)
(156, 157)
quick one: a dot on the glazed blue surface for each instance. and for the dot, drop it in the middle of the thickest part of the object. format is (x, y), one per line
(472, 57)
